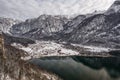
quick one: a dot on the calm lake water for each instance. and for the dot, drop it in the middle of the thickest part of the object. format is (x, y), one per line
(81, 68)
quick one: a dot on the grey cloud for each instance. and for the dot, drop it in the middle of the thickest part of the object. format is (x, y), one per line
(23, 9)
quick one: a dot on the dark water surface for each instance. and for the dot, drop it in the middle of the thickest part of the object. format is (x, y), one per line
(81, 68)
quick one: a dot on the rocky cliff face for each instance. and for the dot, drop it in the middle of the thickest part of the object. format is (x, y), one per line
(12, 67)
(43, 26)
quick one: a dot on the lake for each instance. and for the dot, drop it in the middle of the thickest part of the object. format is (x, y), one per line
(81, 68)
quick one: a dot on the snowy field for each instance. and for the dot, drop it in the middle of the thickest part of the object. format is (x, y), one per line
(93, 48)
(45, 48)
(50, 48)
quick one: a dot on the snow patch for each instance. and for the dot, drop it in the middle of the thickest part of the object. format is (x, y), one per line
(45, 48)
(68, 51)
(93, 48)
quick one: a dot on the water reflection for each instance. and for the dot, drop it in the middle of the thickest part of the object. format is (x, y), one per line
(81, 68)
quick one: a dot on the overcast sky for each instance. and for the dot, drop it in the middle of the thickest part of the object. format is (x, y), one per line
(24, 9)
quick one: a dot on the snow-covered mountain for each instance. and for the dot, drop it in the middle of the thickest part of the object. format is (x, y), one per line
(73, 23)
(115, 8)
(98, 29)
(43, 26)
(95, 34)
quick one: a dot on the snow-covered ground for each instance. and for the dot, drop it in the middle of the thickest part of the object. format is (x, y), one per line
(45, 48)
(51, 48)
(96, 49)
(93, 48)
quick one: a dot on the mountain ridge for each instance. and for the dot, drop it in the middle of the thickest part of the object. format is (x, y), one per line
(99, 29)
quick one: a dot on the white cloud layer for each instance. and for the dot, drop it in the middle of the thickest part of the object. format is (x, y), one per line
(23, 9)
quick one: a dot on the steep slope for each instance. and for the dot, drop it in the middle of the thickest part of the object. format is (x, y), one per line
(115, 8)
(74, 22)
(6, 24)
(9, 39)
(71, 25)
(99, 30)
(12, 67)
(43, 26)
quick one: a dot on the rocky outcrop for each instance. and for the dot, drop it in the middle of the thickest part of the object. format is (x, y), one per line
(6, 24)
(12, 67)
(115, 8)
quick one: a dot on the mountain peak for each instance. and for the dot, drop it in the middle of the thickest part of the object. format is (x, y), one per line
(115, 8)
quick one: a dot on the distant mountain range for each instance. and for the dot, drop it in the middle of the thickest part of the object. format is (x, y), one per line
(43, 26)
(96, 29)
